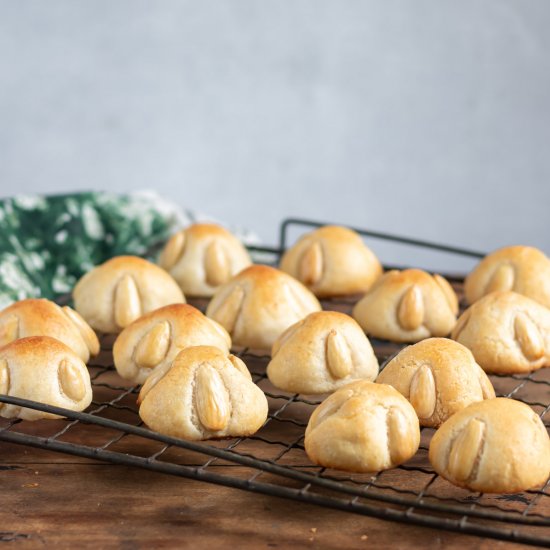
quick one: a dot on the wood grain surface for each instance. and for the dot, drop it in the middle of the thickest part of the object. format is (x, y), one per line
(69, 504)
(51, 499)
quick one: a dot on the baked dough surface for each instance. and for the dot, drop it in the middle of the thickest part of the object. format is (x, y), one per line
(494, 446)
(507, 332)
(408, 306)
(119, 291)
(204, 394)
(157, 337)
(522, 269)
(40, 317)
(363, 427)
(439, 377)
(332, 261)
(202, 257)
(259, 304)
(321, 353)
(41, 368)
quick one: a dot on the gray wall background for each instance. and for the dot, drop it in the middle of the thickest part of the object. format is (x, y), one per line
(429, 117)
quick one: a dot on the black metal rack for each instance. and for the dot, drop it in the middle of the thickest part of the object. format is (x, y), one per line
(274, 462)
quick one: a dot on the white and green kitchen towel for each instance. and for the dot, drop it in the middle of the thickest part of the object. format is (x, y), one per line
(48, 243)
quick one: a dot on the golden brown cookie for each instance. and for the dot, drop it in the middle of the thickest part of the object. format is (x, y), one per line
(205, 394)
(408, 306)
(41, 368)
(203, 257)
(522, 269)
(116, 293)
(507, 333)
(157, 337)
(332, 261)
(439, 377)
(494, 446)
(321, 353)
(259, 304)
(39, 317)
(363, 427)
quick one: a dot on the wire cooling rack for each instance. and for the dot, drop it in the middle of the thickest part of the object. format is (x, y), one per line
(273, 461)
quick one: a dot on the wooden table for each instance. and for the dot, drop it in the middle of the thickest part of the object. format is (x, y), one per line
(51, 500)
(55, 499)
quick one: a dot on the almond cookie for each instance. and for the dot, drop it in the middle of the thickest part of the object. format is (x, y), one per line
(39, 317)
(522, 269)
(408, 306)
(204, 394)
(363, 427)
(157, 337)
(494, 446)
(321, 353)
(507, 333)
(116, 293)
(259, 304)
(41, 368)
(202, 257)
(332, 261)
(439, 377)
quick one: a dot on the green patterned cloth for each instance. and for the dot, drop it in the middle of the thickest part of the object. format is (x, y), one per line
(48, 243)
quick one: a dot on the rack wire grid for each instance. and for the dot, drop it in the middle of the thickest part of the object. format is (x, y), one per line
(274, 462)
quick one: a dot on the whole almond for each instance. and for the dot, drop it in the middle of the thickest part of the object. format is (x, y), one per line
(487, 389)
(71, 380)
(127, 307)
(211, 399)
(310, 269)
(410, 312)
(85, 330)
(502, 279)
(9, 331)
(466, 449)
(449, 293)
(528, 336)
(461, 324)
(422, 393)
(153, 347)
(172, 251)
(216, 265)
(338, 355)
(400, 442)
(228, 311)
